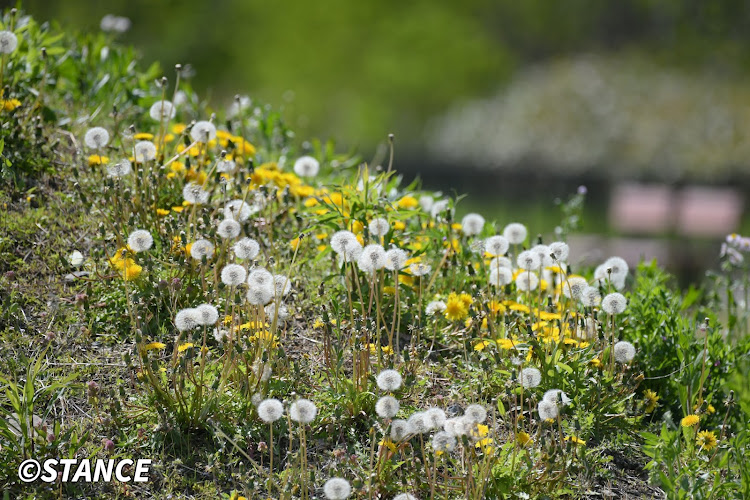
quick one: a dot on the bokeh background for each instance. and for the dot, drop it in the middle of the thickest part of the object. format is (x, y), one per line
(517, 103)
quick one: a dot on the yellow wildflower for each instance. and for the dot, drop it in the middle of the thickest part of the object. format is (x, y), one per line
(132, 271)
(690, 421)
(388, 444)
(143, 136)
(407, 202)
(398, 225)
(162, 212)
(523, 438)
(651, 400)
(576, 440)
(482, 345)
(154, 345)
(707, 440)
(97, 160)
(184, 347)
(10, 104)
(455, 308)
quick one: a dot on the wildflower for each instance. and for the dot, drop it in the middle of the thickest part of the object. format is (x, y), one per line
(559, 251)
(260, 295)
(434, 307)
(115, 24)
(614, 303)
(443, 442)
(207, 314)
(96, 137)
(131, 271)
(229, 228)
(544, 253)
(528, 260)
(282, 284)
(203, 131)
(154, 345)
(345, 243)
(161, 110)
(434, 418)
(246, 248)
(574, 286)
(233, 275)
(11, 104)
(306, 166)
(187, 319)
(387, 407)
(260, 277)
(418, 423)
(556, 396)
(119, 169)
(420, 269)
(8, 42)
(395, 259)
(379, 227)
(523, 438)
(455, 308)
(496, 245)
(337, 488)
(140, 240)
(400, 429)
(619, 268)
(604, 275)
(651, 400)
(389, 380)
(527, 281)
(547, 410)
(476, 413)
(144, 151)
(472, 224)
(690, 421)
(372, 258)
(202, 248)
(75, 259)
(500, 276)
(97, 160)
(624, 352)
(194, 194)
(530, 377)
(707, 440)
(438, 207)
(590, 296)
(184, 347)
(279, 313)
(497, 262)
(239, 210)
(225, 166)
(575, 440)
(270, 410)
(303, 411)
(515, 233)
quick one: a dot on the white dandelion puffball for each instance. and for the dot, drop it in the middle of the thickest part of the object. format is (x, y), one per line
(426, 202)
(187, 319)
(496, 245)
(303, 411)
(8, 42)
(207, 314)
(195, 194)
(527, 281)
(501, 262)
(270, 410)
(624, 352)
(75, 259)
(229, 228)
(119, 169)
(438, 208)
(590, 296)
(372, 258)
(233, 275)
(418, 423)
(419, 269)
(528, 260)
(277, 312)
(337, 488)
(220, 334)
(472, 224)
(161, 110)
(96, 137)
(477, 246)
(434, 418)
(574, 286)
(261, 277)
(306, 166)
(145, 151)
(246, 248)
(115, 24)
(389, 380)
(400, 429)
(500, 276)
(239, 210)
(435, 307)
(387, 407)
(379, 227)
(560, 251)
(395, 259)
(476, 413)
(547, 410)
(556, 396)
(282, 284)
(530, 377)
(260, 295)
(545, 255)
(515, 233)
(225, 166)
(443, 441)
(140, 240)
(405, 496)
(202, 248)
(203, 131)
(614, 303)
(239, 105)
(341, 241)
(618, 266)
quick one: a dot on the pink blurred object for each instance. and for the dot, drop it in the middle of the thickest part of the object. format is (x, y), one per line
(706, 211)
(641, 208)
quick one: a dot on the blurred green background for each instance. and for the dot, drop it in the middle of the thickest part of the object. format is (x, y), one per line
(514, 101)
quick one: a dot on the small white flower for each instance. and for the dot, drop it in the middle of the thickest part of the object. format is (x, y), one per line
(379, 227)
(614, 303)
(472, 224)
(162, 110)
(387, 407)
(530, 377)
(496, 245)
(144, 151)
(207, 314)
(515, 233)
(96, 137)
(8, 42)
(303, 411)
(434, 307)
(246, 248)
(395, 259)
(202, 248)
(400, 429)
(389, 380)
(229, 228)
(624, 352)
(119, 169)
(233, 275)
(337, 488)
(547, 410)
(500, 276)
(203, 131)
(187, 319)
(306, 166)
(372, 258)
(140, 240)
(527, 281)
(270, 410)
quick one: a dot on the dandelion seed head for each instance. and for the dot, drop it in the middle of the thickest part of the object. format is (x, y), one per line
(119, 169)
(435, 418)
(337, 488)
(246, 248)
(162, 110)
(418, 423)
(203, 131)
(426, 202)
(261, 277)
(144, 151)
(8, 42)
(556, 396)
(187, 319)
(420, 269)
(387, 407)
(341, 241)
(545, 255)
(303, 411)
(405, 496)
(618, 266)
(115, 24)
(220, 334)
(279, 313)
(229, 228)
(624, 352)
(560, 250)
(614, 303)
(96, 137)
(270, 410)
(194, 193)
(372, 258)
(233, 275)
(501, 262)
(306, 166)
(530, 377)
(395, 259)
(379, 227)
(515, 233)
(400, 429)
(500, 276)
(496, 245)
(547, 410)
(435, 307)
(472, 224)
(282, 284)
(528, 260)
(202, 248)
(443, 441)
(590, 296)
(238, 210)
(207, 314)
(389, 380)
(225, 166)
(438, 208)
(260, 295)
(476, 413)
(527, 281)
(574, 286)
(140, 240)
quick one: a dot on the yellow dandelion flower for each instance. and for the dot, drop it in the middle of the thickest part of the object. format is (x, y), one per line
(154, 345)
(10, 104)
(388, 444)
(177, 167)
(294, 243)
(690, 421)
(407, 202)
(707, 440)
(143, 136)
(549, 316)
(506, 343)
(162, 212)
(523, 438)
(596, 363)
(184, 347)
(575, 440)
(455, 308)
(132, 271)
(651, 399)
(466, 299)
(398, 225)
(97, 160)
(710, 409)
(387, 350)
(514, 306)
(482, 345)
